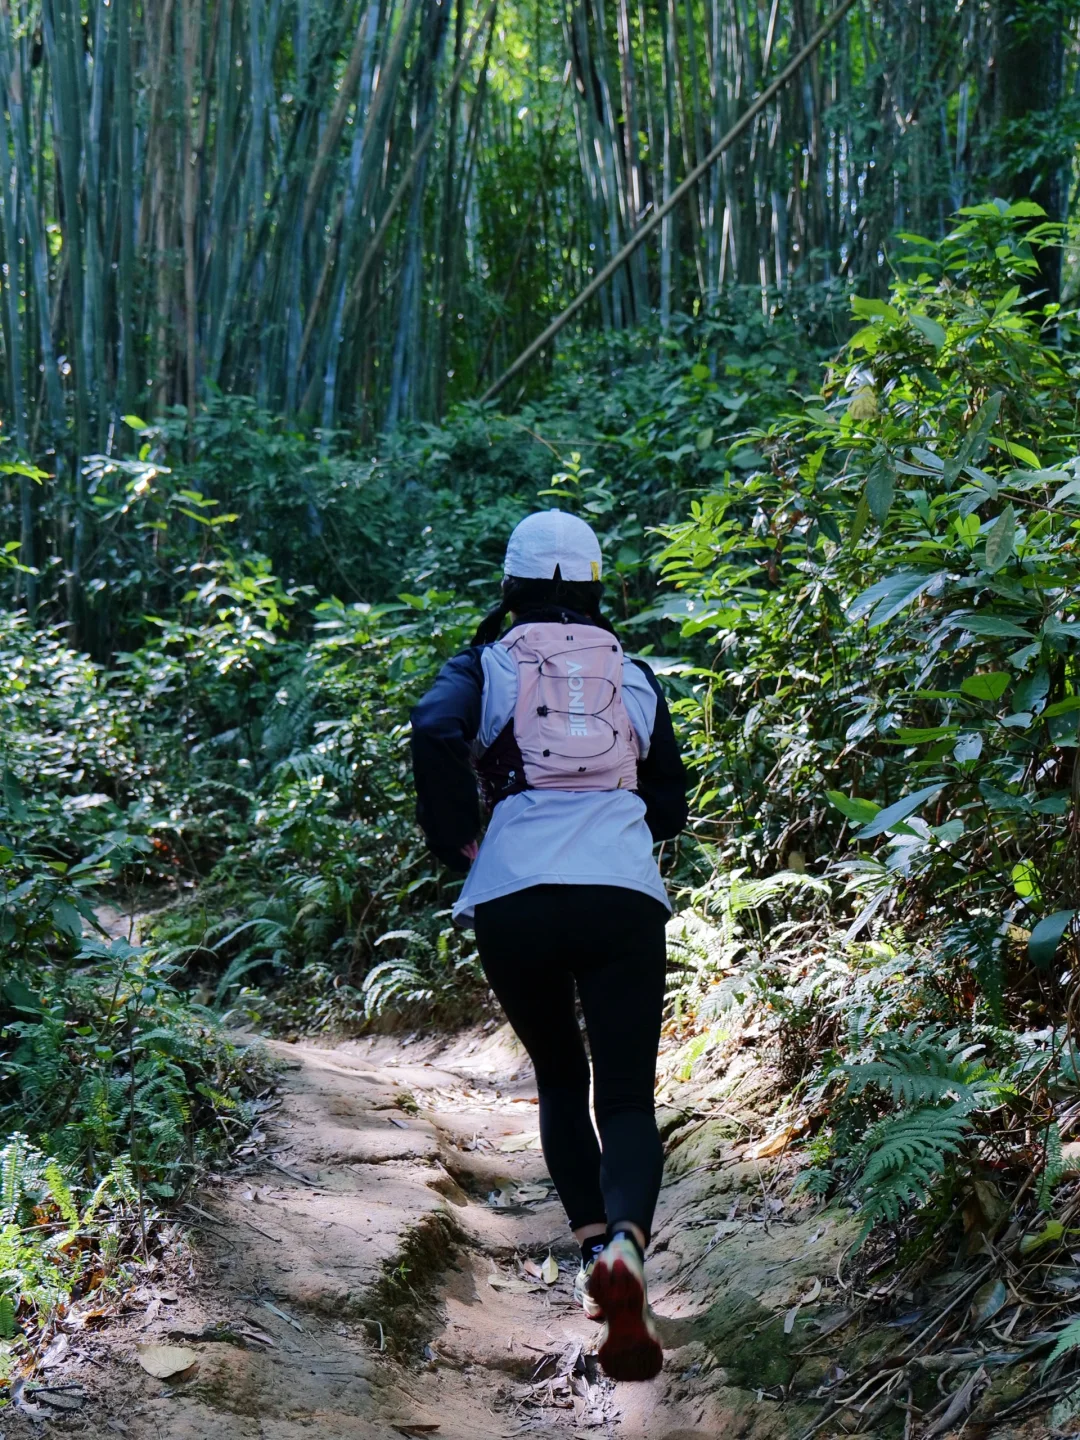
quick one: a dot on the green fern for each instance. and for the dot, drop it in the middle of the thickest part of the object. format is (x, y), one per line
(60, 1193)
(815, 1180)
(7, 1317)
(1069, 1339)
(906, 1153)
(920, 1068)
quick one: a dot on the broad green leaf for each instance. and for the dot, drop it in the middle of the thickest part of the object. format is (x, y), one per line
(1025, 879)
(929, 329)
(860, 520)
(1028, 479)
(861, 811)
(1046, 937)
(993, 625)
(889, 596)
(1062, 707)
(930, 458)
(1001, 539)
(1062, 629)
(990, 686)
(67, 919)
(1053, 804)
(13, 794)
(880, 489)
(1016, 451)
(873, 309)
(920, 734)
(135, 423)
(977, 439)
(704, 438)
(893, 814)
(20, 997)
(1001, 799)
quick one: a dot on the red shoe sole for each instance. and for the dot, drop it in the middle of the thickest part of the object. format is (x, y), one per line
(629, 1352)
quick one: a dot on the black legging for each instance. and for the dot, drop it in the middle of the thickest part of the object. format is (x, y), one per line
(534, 945)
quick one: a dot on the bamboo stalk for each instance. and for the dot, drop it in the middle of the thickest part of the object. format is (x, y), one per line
(373, 248)
(791, 69)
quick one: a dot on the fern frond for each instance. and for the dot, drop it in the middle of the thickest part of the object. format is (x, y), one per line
(927, 1067)
(60, 1194)
(1069, 1339)
(907, 1153)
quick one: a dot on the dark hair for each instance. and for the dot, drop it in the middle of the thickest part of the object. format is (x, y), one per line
(549, 599)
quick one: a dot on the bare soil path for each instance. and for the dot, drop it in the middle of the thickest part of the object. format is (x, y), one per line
(360, 1282)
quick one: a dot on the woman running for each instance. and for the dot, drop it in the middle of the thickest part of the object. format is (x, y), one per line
(578, 766)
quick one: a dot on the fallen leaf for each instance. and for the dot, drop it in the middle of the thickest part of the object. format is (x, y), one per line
(401, 1124)
(987, 1301)
(1070, 1157)
(416, 1429)
(527, 1194)
(1051, 1232)
(165, 1362)
(515, 1287)
(289, 1320)
(532, 1268)
(790, 1318)
(774, 1144)
(525, 1141)
(56, 1353)
(550, 1270)
(812, 1294)
(259, 1337)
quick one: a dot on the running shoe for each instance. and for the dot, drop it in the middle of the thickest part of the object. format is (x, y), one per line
(581, 1292)
(629, 1346)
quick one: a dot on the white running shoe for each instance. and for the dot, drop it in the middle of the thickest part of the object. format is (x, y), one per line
(629, 1346)
(581, 1292)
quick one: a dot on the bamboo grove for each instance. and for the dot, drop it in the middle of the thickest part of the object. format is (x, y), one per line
(359, 212)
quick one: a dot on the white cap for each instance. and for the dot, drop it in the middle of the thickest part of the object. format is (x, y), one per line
(551, 538)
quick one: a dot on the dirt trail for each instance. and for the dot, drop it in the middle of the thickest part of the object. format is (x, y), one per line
(345, 1283)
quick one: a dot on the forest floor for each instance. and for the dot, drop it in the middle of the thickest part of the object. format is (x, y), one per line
(362, 1272)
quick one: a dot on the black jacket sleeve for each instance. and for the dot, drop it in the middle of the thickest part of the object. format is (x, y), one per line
(444, 725)
(661, 776)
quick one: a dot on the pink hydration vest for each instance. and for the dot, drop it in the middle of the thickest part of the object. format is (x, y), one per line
(571, 730)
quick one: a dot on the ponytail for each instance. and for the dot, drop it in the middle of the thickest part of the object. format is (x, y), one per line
(555, 598)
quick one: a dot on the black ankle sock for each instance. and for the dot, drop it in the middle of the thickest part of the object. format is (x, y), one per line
(591, 1248)
(620, 1232)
